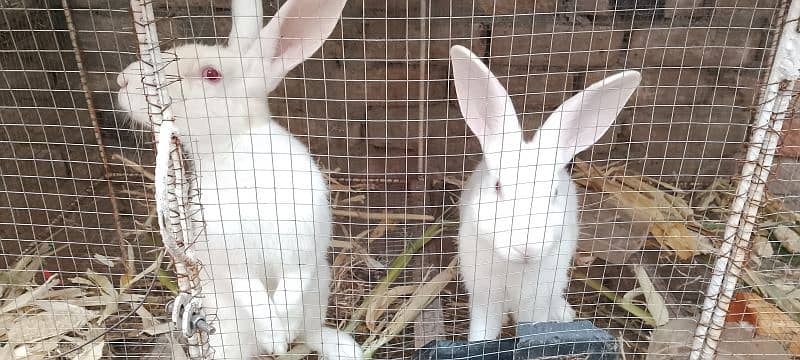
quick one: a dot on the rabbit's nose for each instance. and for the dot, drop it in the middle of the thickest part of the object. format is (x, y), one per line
(122, 81)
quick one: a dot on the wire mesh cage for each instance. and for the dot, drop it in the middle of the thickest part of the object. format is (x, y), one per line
(688, 217)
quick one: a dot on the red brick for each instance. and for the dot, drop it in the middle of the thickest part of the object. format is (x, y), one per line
(386, 125)
(355, 81)
(108, 42)
(450, 147)
(614, 137)
(516, 7)
(534, 92)
(785, 179)
(687, 133)
(394, 127)
(100, 4)
(737, 87)
(450, 8)
(675, 87)
(533, 89)
(686, 173)
(403, 40)
(744, 13)
(693, 46)
(684, 9)
(784, 182)
(537, 41)
(790, 138)
(324, 128)
(584, 7)
(381, 9)
(407, 9)
(357, 138)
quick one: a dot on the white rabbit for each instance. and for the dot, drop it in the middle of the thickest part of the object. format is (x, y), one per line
(519, 222)
(265, 202)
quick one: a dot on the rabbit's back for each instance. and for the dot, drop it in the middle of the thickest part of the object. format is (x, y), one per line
(264, 193)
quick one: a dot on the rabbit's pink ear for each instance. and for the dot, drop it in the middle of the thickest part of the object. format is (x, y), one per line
(247, 20)
(581, 120)
(295, 33)
(485, 104)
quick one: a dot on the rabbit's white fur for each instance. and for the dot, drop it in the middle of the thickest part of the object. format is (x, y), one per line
(519, 219)
(265, 201)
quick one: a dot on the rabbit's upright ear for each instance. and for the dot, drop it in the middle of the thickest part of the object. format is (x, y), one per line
(485, 104)
(581, 120)
(248, 18)
(296, 32)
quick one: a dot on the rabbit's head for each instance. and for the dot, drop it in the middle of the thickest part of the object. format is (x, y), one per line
(525, 182)
(223, 89)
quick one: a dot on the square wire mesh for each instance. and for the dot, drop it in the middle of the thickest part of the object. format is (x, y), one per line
(378, 110)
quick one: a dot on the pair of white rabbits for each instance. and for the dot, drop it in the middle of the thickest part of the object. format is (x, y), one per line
(265, 201)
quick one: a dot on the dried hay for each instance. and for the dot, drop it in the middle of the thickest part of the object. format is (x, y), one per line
(778, 226)
(688, 225)
(680, 223)
(65, 318)
(368, 296)
(670, 217)
(89, 314)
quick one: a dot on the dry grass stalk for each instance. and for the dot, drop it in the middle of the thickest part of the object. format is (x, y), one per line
(777, 282)
(382, 303)
(654, 301)
(381, 229)
(396, 267)
(106, 260)
(777, 222)
(623, 303)
(135, 166)
(788, 237)
(359, 250)
(371, 262)
(668, 214)
(453, 181)
(355, 199)
(28, 298)
(382, 216)
(339, 187)
(762, 247)
(41, 321)
(350, 268)
(419, 299)
(341, 244)
(21, 273)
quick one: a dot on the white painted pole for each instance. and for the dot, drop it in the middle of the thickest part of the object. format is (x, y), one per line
(775, 101)
(171, 185)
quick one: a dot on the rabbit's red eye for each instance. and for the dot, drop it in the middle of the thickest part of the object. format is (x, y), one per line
(211, 74)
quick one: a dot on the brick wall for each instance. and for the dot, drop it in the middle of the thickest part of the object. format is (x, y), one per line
(49, 162)
(368, 104)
